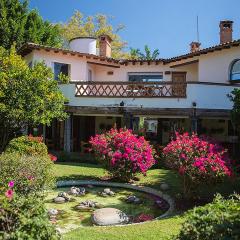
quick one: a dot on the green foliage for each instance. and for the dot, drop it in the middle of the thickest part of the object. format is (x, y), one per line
(216, 221)
(25, 218)
(146, 55)
(18, 24)
(94, 26)
(26, 145)
(235, 98)
(28, 96)
(31, 174)
(63, 78)
(134, 53)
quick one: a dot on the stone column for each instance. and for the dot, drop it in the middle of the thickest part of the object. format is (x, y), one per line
(67, 134)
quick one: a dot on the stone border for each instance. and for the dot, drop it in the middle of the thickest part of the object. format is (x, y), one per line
(166, 197)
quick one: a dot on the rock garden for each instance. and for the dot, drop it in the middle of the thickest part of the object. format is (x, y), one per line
(102, 206)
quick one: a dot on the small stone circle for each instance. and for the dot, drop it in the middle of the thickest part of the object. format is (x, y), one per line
(109, 216)
(157, 193)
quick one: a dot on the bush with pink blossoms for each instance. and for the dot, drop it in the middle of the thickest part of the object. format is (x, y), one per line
(197, 160)
(123, 153)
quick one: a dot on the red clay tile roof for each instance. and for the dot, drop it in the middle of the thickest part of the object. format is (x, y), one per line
(219, 47)
(28, 47)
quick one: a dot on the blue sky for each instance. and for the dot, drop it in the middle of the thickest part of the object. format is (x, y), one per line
(169, 25)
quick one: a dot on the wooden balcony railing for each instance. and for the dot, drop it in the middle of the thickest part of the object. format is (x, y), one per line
(131, 89)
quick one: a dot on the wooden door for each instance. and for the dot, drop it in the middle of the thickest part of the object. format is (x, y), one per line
(179, 78)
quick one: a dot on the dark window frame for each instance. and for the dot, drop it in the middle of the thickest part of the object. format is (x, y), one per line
(67, 71)
(148, 76)
(236, 61)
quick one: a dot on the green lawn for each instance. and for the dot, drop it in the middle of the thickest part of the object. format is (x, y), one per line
(161, 229)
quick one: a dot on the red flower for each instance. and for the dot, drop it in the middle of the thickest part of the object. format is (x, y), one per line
(52, 157)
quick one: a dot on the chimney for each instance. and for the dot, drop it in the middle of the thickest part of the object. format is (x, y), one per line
(105, 49)
(226, 31)
(194, 47)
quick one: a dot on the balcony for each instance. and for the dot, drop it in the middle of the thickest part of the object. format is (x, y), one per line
(154, 95)
(131, 89)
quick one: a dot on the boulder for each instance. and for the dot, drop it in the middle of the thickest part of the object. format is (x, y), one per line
(59, 200)
(109, 216)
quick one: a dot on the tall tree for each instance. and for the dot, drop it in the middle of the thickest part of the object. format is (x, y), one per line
(94, 26)
(28, 96)
(19, 25)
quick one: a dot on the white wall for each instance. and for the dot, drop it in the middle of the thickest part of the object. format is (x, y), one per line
(121, 74)
(214, 67)
(206, 96)
(78, 69)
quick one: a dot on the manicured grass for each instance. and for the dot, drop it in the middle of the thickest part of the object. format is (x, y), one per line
(161, 229)
(155, 230)
(71, 171)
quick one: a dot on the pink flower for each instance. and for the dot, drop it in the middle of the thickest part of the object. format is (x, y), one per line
(11, 184)
(9, 194)
(30, 178)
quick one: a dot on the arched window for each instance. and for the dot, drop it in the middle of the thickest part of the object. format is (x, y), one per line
(235, 71)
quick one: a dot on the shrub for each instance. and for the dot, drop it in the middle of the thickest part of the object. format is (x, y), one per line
(23, 217)
(122, 153)
(31, 174)
(27, 145)
(216, 221)
(197, 161)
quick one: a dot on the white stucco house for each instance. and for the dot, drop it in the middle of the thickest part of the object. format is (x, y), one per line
(187, 92)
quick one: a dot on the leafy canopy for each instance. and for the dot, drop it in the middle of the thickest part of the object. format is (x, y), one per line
(94, 26)
(18, 25)
(28, 96)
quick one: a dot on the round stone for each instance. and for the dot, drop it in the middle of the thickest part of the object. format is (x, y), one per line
(82, 207)
(52, 212)
(109, 216)
(164, 186)
(59, 200)
(107, 190)
(74, 191)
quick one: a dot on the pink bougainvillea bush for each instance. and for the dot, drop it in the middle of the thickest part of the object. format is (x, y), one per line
(123, 153)
(197, 160)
